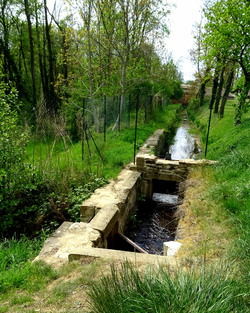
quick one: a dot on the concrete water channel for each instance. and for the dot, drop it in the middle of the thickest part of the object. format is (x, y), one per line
(104, 229)
(154, 226)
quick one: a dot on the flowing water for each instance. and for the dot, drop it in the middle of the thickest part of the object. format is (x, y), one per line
(156, 221)
(185, 145)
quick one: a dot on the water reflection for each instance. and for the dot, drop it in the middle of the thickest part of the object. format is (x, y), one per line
(184, 144)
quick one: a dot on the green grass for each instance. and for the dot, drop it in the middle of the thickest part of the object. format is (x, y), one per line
(61, 158)
(65, 181)
(16, 269)
(216, 288)
(213, 289)
(229, 145)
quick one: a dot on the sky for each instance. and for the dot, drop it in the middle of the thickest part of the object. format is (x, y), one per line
(182, 20)
(180, 41)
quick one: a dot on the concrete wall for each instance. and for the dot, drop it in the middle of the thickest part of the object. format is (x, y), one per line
(110, 207)
(108, 210)
(153, 168)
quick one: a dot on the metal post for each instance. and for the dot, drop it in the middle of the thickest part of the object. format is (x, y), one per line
(136, 124)
(208, 128)
(105, 117)
(83, 126)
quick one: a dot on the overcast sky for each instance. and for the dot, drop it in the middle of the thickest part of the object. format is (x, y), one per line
(180, 42)
(182, 20)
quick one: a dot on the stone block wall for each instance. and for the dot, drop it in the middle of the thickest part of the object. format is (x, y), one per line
(107, 211)
(110, 207)
(153, 168)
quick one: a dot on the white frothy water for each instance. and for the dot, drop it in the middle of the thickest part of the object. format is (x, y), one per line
(165, 198)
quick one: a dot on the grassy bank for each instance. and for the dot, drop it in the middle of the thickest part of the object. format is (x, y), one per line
(65, 180)
(62, 157)
(229, 185)
(57, 174)
(215, 275)
(215, 257)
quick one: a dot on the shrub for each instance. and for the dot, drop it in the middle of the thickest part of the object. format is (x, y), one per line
(15, 174)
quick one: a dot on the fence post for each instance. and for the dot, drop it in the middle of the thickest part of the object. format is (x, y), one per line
(208, 128)
(136, 124)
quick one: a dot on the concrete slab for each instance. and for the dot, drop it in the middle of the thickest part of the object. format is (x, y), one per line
(167, 162)
(124, 256)
(105, 220)
(68, 238)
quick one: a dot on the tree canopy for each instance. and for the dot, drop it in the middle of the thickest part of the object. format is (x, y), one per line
(225, 45)
(96, 49)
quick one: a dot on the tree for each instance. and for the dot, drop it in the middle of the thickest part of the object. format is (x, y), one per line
(126, 26)
(52, 101)
(32, 53)
(219, 89)
(8, 64)
(227, 33)
(228, 84)
(13, 162)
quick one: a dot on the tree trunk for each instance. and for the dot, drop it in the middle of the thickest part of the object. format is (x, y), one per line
(242, 101)
(122, 100)
(105, 117)
(219, 91)
(32, 54)
(52, 101)
(42, 68)
(226, 92)
(214, 88)
(202, 90)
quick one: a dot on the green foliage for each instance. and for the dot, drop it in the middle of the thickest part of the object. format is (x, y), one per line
(206, 290)
(226, 35)
(13, 252)
(78, 194)
(16, 271)
(12, 142)
(16, 175)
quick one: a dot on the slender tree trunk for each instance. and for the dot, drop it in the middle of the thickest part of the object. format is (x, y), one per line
(228, 85)
(42, 69)
(242, 101)
(10, 69)
(45, 71)
(105, 117)
(150, 105)
(4, 41)
(122, 100)
(90, 66)
(129, 108)
(52, 101)
(8, 65)
(136, 124)
(65, 48)
(32, 54)
(219, 91)
(202, 91)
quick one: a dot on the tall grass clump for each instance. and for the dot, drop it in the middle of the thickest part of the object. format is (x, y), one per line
(213, 289)
(16, 269)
